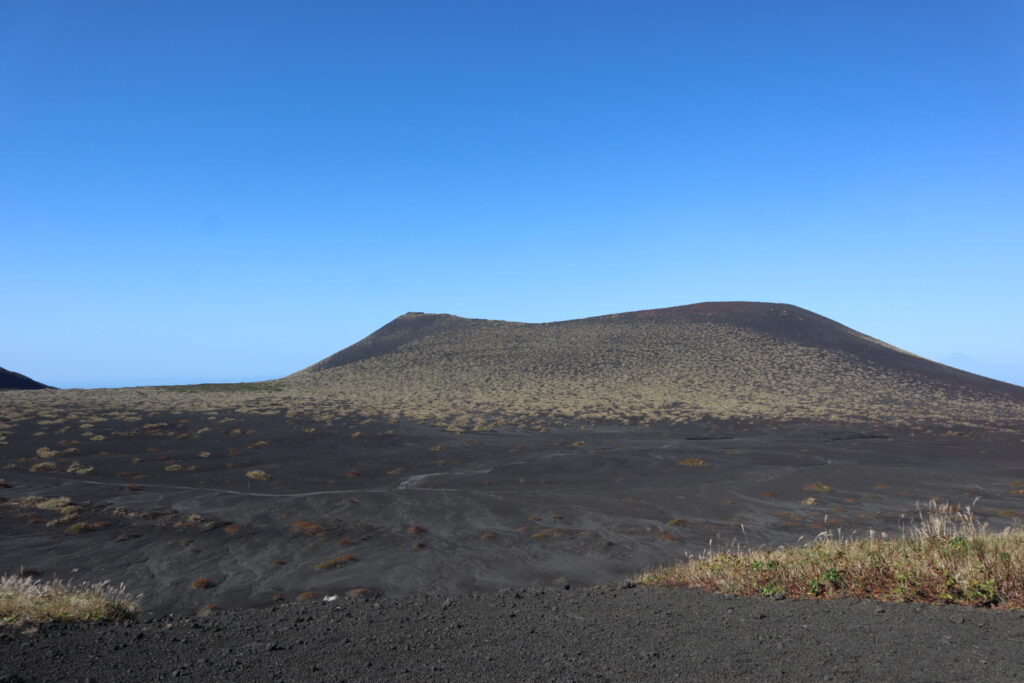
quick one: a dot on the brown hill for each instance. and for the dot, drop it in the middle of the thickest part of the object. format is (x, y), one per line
(15, 380)
(722, 360)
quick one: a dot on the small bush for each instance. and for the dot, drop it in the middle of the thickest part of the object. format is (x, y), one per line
(259, 475)
(203, 583)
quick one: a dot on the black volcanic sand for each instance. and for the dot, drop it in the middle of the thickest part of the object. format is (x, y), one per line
(411, 509)
(603, 634)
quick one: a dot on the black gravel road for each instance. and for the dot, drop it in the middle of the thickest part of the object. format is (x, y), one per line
(591, 634)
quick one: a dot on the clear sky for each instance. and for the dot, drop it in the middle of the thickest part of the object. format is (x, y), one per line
(207, 190)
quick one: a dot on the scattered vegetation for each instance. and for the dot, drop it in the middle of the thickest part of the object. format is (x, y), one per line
(24, 599)
(227, 387)
(948, 556)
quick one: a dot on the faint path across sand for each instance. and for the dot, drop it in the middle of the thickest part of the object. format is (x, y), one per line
(408, 483)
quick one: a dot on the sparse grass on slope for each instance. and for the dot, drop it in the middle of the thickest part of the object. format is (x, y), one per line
(24, 599)
(947, 557)
(224, 387)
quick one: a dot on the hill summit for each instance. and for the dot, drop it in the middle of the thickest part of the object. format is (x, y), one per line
(723, 360)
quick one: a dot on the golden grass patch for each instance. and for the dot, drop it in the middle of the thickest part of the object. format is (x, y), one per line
(947, 557)
(24, 599)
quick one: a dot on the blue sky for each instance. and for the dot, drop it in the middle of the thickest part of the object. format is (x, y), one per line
(217, 191)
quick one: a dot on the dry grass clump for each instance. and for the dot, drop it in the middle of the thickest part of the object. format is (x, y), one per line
(948, 556)
(259, 475)
(335, 562)
(78, 468)
(694, 462)
(25, 599)
(309, 528)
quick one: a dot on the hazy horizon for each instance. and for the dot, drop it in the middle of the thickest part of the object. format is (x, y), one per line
(196, 192)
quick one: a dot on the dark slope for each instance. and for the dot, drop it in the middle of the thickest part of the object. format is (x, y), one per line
(15, 380)
(396, 335)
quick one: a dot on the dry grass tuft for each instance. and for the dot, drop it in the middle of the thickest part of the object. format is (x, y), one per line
(78, 468)
(25, 599)
(259, 475)
(948, 556)
(308, 528)
(694, 462)
(335, 562)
